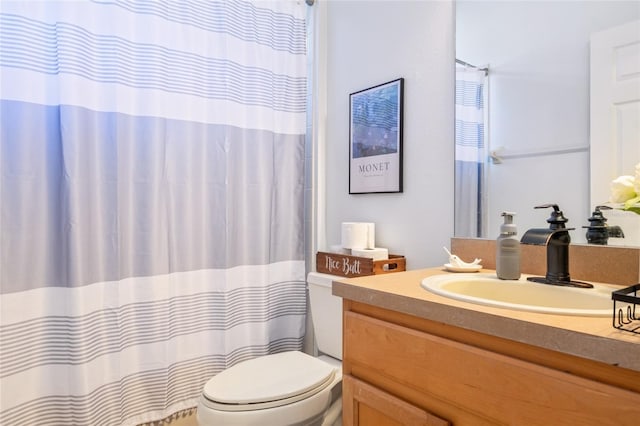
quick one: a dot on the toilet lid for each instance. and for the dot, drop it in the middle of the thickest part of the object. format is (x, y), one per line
(273, 379)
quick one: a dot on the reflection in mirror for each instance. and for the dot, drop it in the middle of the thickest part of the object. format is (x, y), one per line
(470, 178)
(522, 127)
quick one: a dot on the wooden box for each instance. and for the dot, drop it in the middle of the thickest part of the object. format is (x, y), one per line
(354, 266)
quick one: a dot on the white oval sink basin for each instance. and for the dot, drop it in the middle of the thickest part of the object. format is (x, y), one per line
(487, 289)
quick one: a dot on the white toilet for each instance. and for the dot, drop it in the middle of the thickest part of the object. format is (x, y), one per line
(288, 388)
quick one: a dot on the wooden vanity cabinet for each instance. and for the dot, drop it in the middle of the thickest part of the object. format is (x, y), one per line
(403, 370)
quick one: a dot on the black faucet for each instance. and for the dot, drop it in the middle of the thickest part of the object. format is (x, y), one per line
(598, 232)
(557, 239)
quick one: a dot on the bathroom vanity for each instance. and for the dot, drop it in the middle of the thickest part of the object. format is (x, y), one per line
(413, 357)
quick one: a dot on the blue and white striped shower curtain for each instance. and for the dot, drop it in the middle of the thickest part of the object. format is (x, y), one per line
(152, 158)
(470, 211)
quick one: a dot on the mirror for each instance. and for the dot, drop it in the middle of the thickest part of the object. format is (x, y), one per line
(536, 107)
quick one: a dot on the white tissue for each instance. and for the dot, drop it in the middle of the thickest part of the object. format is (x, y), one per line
(358, 235)
(377, 253)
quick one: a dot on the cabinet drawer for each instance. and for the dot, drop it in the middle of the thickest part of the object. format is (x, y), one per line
(491, 386)
(364, 404)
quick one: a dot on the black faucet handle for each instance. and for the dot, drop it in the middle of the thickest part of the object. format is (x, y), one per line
(546, 206)
(597, 218)
(557, 219)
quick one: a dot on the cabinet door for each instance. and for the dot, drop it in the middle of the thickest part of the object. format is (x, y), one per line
(365, 405)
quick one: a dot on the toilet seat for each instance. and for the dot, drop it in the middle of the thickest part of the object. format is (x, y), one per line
(276, 380)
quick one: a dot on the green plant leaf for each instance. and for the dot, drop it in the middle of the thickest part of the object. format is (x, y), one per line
(632, 205)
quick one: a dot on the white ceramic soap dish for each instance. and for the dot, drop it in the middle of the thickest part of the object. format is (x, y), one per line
(453, 268)
(458, 265)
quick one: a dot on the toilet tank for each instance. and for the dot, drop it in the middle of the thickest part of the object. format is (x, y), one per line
(326, 314)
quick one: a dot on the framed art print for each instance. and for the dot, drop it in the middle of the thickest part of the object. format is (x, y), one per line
(375, 139)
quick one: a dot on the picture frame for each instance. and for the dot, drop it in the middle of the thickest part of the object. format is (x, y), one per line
(375, 138)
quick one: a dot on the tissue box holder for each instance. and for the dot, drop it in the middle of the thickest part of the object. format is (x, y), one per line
(354, 266)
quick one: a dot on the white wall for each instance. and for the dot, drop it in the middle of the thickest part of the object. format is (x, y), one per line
(538, 55)
(372, 42)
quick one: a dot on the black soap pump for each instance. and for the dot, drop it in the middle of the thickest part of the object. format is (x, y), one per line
(508, 250)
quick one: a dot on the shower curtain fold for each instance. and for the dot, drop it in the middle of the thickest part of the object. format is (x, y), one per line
(151, 190)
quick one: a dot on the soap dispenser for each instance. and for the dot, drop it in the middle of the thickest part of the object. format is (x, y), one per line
(508, 250)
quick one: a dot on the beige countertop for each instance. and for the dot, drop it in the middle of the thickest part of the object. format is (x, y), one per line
(588, 337)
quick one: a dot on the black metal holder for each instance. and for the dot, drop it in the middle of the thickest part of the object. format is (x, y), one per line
(626, 314)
